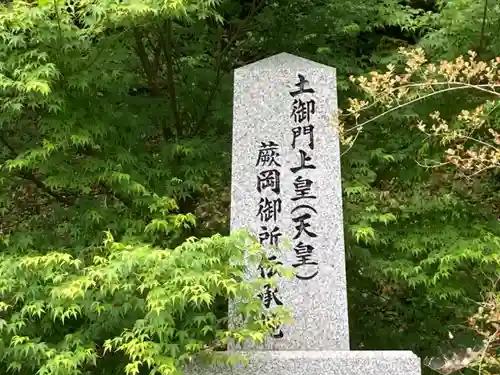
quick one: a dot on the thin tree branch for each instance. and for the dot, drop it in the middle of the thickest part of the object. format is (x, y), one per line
(39, 184)
(213, 91)
(156, 48)
(478, 87)
(28, 175)
(438, 165)
(126, 201)
(59, 29)
(101, 50)
(192, 97)
(352, 144)
(483, 25)
(220, 74)
(464, 86)
(166, 43)
(150, 70)
(7, 145)
(480, 142)
(485, 349)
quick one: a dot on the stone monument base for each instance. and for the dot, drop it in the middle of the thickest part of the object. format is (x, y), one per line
(291, 362)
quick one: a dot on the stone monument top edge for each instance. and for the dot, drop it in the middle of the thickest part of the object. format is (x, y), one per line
(285, 59)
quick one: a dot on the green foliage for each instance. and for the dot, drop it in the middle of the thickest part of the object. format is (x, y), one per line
(115, 118)
(421, 247)
(463, 25)
(151, 307)
(84, 153)
(441, 249)
(344, 34)
(89, 144)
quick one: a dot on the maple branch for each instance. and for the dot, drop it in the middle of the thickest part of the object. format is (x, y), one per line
(222, 51)
(463, 86)
(151, 70)
(167, 45)
(28, 175)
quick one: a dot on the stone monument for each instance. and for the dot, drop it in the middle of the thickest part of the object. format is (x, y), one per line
(286, 184)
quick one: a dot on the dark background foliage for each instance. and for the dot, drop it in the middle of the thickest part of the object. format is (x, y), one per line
(118, 119)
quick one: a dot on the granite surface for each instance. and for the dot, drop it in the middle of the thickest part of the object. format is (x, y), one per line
(265, 111)
(319, 363)
(273, 108)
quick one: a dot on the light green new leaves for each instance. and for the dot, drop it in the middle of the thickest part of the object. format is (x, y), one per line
(153, 305)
